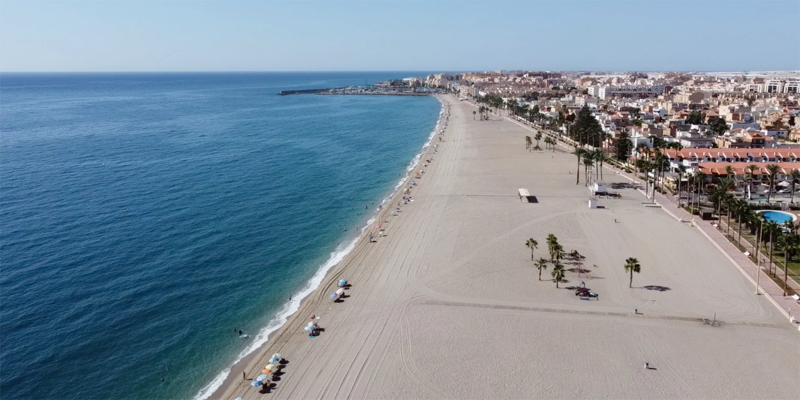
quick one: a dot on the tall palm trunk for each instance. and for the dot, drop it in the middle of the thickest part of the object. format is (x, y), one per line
(578, 177)
(728, 230)
(785, 268)
(740, 230)
(771, 248)
(758, 245)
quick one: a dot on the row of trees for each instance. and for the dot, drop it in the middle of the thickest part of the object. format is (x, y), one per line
(698, 180)
(782, 237)
(557, 253)
(655, 162)
(589, 158)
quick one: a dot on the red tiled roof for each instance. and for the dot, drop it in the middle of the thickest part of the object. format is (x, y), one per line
(740, 168)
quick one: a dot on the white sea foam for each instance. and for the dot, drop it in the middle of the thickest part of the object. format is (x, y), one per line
(293, 305)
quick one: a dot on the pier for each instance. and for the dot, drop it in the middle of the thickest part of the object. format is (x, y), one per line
(364, 90)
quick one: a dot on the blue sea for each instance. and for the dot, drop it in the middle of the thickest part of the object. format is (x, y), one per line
(146, 217)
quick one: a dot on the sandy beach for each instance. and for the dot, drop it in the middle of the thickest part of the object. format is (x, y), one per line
(448, 304)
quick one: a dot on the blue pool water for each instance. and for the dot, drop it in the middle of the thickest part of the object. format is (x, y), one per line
(145, 216)
(777, 216)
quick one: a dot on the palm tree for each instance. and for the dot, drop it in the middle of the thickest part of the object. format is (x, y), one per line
(528, 143)
(552, 241)
(660, 160)
(532, 244)
(774, 231)
(473, 114)
(541, 264)
(632, 265)
(557, 273)
(646, 167)
(752, 169)
(772, 171)
(588, 162)
(719, 193)
(537, 137)
(786, 241)
(730, 202)
(598, 156)
(681, 175)
(578, 153)
(742, 210)
(794, 175)
(701, 184)
(558, 252)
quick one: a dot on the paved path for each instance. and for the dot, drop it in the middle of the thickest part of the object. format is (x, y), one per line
(752, 249)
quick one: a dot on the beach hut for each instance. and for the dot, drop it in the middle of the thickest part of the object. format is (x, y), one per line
(523, 195)
(599, 188)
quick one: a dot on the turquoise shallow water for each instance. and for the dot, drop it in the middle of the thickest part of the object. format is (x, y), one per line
(777, 216)
(145, 216)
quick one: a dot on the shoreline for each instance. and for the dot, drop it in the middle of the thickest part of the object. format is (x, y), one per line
(451, 285)
(289, 310)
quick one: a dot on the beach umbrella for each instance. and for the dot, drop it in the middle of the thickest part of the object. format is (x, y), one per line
(256, 383)
(262, 377)
(309, 328)
(312, 323)
(274, 359)
(332, 296)
(273, 367)
(238, 398)
(340, 292)
(277, 355)
(342, 282)
(266, 371)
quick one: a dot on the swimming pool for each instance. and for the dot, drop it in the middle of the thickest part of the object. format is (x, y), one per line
(778, 216)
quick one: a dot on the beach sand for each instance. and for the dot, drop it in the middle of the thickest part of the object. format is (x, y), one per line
(448, 303)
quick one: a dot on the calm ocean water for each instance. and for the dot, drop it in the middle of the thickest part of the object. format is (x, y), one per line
(145, 216)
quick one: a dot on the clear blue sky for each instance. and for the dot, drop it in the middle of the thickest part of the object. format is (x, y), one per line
(116, 35)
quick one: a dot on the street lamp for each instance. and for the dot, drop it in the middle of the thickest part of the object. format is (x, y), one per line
(758, 259)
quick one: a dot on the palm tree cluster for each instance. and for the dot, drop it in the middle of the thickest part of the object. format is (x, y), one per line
(495, 102)
(556, 254)
(589, 158)
(652, 161)
(484, 113)
(550, 142)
